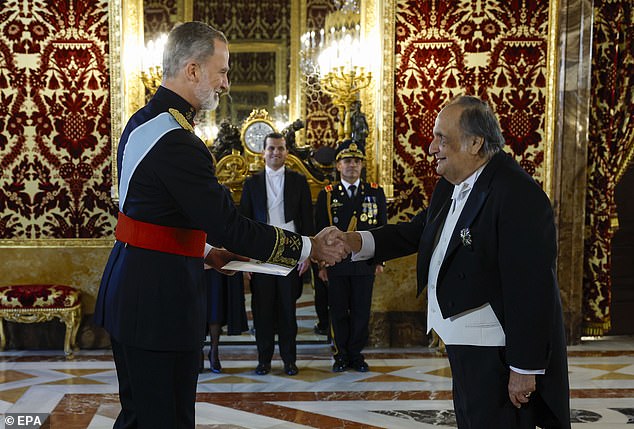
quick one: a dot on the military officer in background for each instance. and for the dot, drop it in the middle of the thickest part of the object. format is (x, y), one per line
(350, 205)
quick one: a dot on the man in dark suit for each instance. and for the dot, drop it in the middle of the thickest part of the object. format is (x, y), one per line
(278, 196)
(350, 205)
(172, 211)
(486, 252)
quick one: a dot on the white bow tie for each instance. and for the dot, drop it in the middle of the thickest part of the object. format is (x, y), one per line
(459, 192)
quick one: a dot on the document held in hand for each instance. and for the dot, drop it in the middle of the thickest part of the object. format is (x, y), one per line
(255, 266)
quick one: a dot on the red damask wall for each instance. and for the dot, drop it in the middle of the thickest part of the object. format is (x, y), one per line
(494, 49)
(321, 114)
(55, 174)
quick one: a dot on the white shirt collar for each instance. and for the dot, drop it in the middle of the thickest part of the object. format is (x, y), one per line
(274, 173)
(347, 185)
(462, 189)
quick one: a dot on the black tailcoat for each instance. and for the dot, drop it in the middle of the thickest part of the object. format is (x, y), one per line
(503, 251)
(273, 297)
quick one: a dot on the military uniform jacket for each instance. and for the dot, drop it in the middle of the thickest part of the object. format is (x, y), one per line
(366, 210)
(155, 300)
(503, 252)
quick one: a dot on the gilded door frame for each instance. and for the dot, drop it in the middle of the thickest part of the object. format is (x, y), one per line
(127, 93)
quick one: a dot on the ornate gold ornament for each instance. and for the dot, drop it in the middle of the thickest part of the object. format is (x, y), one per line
(70, 316)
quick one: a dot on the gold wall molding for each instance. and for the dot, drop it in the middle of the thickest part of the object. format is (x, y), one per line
(127, 93)
(294, 84)
(369, 105)
(116, 93)
(188, 10)
(61, 242)
(378, 29)
(551, 112)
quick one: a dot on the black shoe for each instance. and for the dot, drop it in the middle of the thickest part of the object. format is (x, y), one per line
(214, 361)
(340, 365)
(359, 365)
(290, 368)
(263, 368)
(319, 330)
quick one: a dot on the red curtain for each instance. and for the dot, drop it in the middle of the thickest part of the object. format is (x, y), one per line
(611, 138)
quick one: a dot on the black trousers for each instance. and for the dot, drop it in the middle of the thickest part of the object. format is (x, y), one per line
(273, 301)
(157, 389)
(350, 299)
(480, 390)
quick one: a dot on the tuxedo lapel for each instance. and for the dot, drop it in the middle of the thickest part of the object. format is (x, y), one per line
(290, 194)
(260, 196)
(428, 238)
(469, 212)
(474, 203)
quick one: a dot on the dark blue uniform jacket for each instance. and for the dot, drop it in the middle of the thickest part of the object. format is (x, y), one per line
(155, 300)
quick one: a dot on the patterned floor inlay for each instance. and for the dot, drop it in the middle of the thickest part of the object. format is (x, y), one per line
(403, 389)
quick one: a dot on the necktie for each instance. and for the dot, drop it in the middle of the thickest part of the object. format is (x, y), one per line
(352, 190)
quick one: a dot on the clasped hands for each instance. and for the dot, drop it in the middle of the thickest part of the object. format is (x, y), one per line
(329, 247)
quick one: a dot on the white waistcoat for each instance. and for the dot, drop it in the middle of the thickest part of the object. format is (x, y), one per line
(476, 327)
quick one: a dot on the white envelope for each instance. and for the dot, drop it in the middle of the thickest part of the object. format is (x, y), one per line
(255, 266)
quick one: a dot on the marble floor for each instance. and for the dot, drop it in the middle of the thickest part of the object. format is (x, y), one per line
(405, 388)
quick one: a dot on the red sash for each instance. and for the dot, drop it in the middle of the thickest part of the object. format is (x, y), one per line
(179, 241)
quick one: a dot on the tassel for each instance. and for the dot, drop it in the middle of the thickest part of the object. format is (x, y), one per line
(352, 226)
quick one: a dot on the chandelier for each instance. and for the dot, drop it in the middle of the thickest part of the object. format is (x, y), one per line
(337, 55)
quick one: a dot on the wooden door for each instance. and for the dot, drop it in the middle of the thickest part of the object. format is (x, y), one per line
(623, 258)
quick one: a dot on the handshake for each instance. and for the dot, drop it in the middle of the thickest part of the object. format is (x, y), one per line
(328, 247)
(332, 245)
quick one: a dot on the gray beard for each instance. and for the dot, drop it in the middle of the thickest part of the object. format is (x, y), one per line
(210, 102)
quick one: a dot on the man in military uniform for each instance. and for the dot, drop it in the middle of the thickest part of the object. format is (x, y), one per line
(172, 210)
(350, 205)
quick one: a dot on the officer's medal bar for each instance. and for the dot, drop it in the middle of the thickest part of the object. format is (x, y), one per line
(369, 210)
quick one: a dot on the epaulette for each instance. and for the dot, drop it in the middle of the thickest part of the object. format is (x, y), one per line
(328, 188)
(374, 185)
(181, 119)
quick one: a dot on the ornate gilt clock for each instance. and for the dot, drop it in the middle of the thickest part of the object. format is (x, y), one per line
(255, 128)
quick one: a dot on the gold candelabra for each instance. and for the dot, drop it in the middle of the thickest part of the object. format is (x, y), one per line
(151, 78)
(151, 70)
(343, 86)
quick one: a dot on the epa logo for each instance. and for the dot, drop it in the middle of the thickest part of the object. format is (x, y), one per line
(25, 421)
